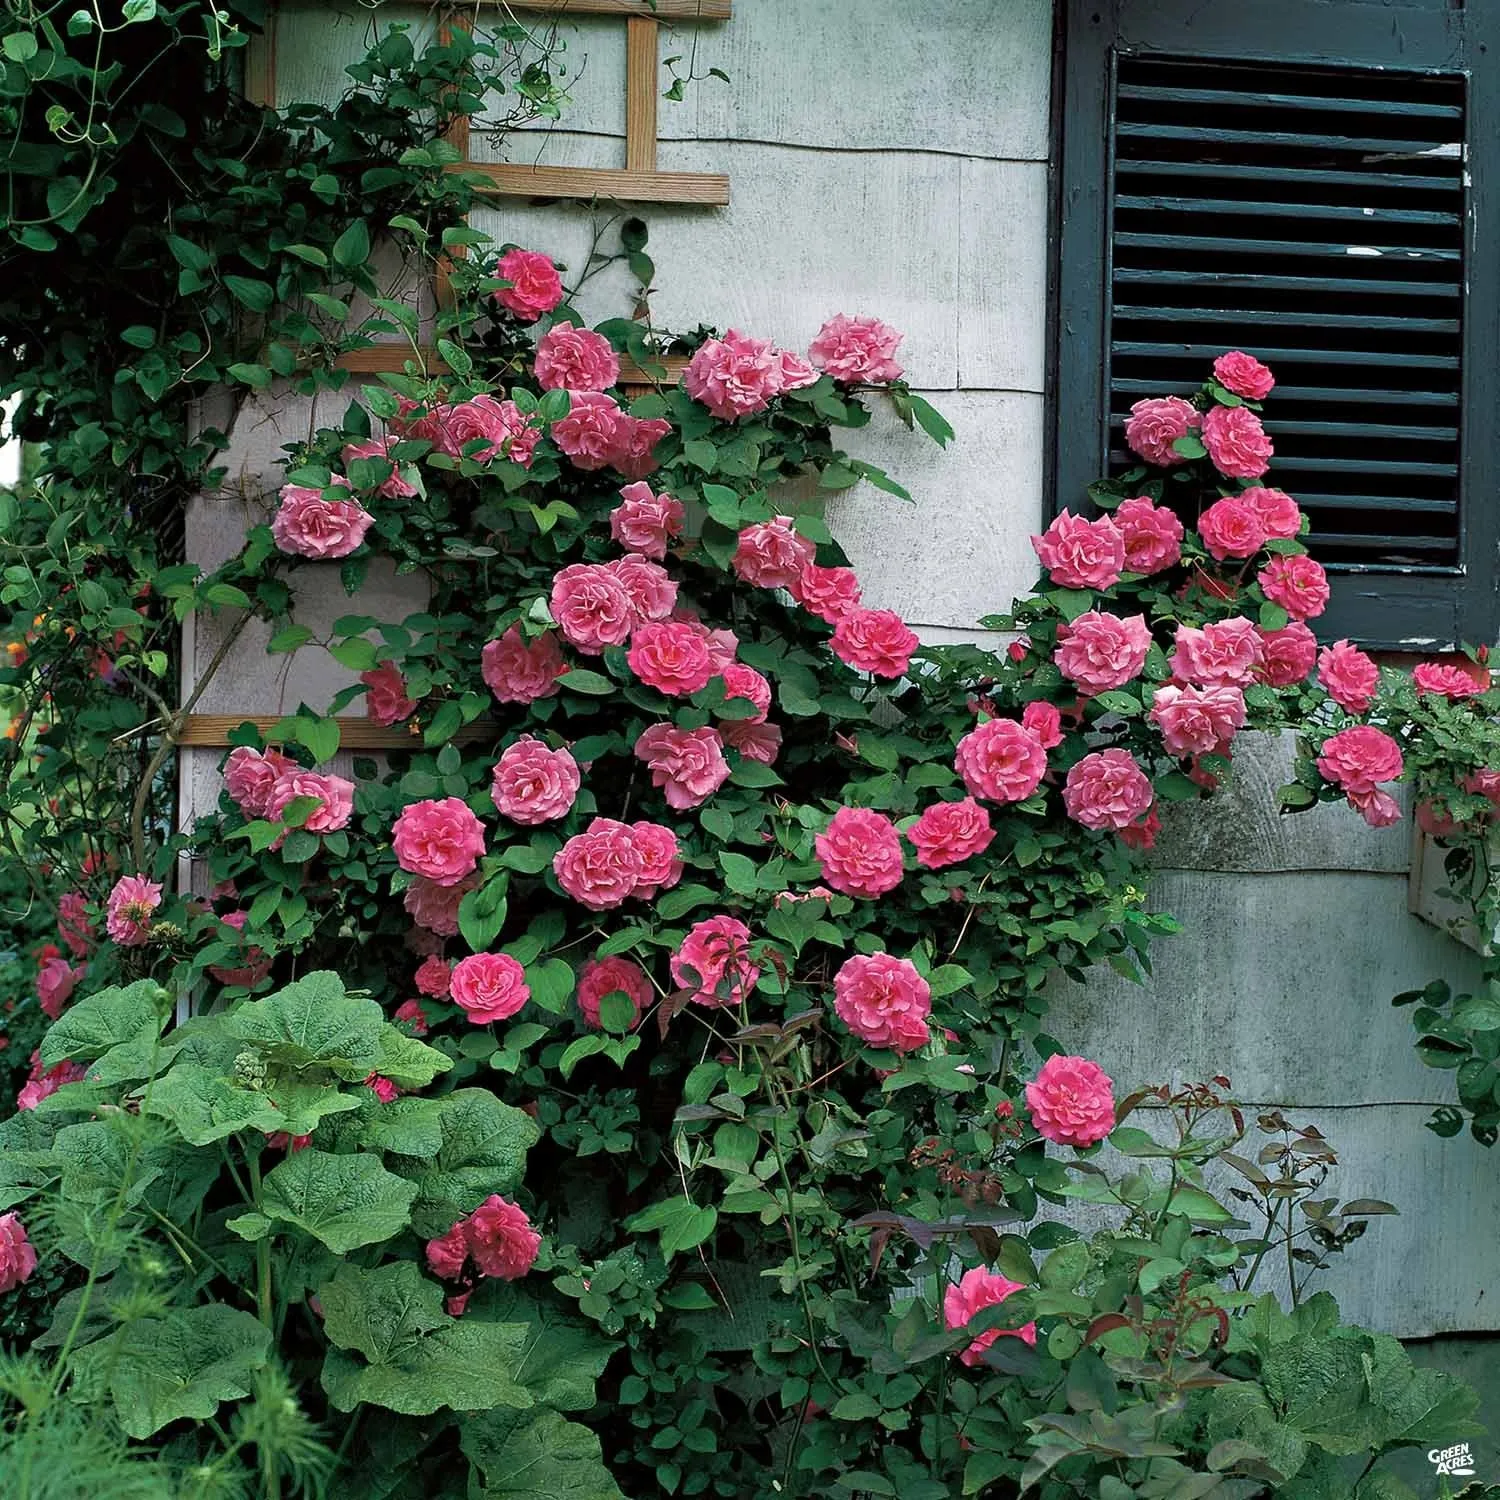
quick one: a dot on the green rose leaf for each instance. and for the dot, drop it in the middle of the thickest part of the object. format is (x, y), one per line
(312, 1022)
(114, 1030)
(484, 1151)
(343, 1201)
(540, 1457)
(162, 1370)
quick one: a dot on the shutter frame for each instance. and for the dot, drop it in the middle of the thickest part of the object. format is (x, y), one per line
(1386, 606)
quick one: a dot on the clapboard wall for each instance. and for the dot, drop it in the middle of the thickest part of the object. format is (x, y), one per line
(892, 159)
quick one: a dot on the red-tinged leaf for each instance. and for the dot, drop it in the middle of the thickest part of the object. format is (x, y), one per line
(1106, 1323)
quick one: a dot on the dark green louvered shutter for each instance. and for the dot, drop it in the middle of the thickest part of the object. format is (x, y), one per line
(1298, 179)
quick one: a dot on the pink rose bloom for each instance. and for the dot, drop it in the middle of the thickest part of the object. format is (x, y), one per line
(535, 287)
(434, 907)
(829, 593)
(1485, 784)
(44, 1084)
(1244, 375)
(877, 641)
(687, 764)
(1289, 655)
(307, 525)
(1451, 679)
(533, 784)
(948, 833)
(439, 839)
(600, 867)
(411, 1014)
(670, 657)
(796, 372)
(856, 351)
(1378, 809)
(883, 1001)
(518, 671)
(1297, 583)
(1001, 760)
(612, 976)
(446, 1254)
(860, 852)
(590, 434)
(714, 962)
(747, 684)
(634, 453)
(758, 742)
(734, 376)
(771, 555)
(1360, 756)
(1230, 529)
(1156, 423)
(592, 607)
(1081, 554)
(521, 433)
(1197, 721)
(488, 987)
(17, 1257)
(575, 359)
(433, 978)
(652, 590)
(646, 522)
(386, 701)
(56, 979)
(1225, 652)
(384, 1089)
(1237, 444)
(256, 965)
(1152, 534)
(335, 799)
(977, 1290)
(1279, 516)
(1348, 676)
(1107, 790)
(1044, 723)
(394, 488)
(73, 924)
(497, 424)
(501, 1239)
(661, 858)
(128, 910)
(1142, 835)
(1102, 652)
(250, 774)
(1072, 1102)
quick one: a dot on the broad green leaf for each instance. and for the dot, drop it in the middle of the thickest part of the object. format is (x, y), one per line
(377, 1311)
(562, 1359)
(411, 1127)
(178, 1367)
(405, 1060)
(537, 1457)
(312, 1022)
(115, 1031)
(484, 1151)
(207, 1105)
(343, 1201)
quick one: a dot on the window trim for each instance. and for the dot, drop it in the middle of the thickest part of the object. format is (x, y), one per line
(1388, 607)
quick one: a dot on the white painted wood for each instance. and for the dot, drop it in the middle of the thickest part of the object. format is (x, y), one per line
(1002, 275)
(806, 235)
(316, 41)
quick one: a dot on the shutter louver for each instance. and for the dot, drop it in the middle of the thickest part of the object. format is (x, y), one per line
(1313, 217)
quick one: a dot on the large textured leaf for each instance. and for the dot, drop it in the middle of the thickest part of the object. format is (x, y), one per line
(405, 1060)
(376, 1312)
(464, 1364)
(1241, 1413)
(115, 1031)
(562, 1359)
(539, 1456)
(207, 1106)
(161, 1370)
(27, 1164)
(412, 1127)
(313, 1023)
(484, 1151)
(344, 1201)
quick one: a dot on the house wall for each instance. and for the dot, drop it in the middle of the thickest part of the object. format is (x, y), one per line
(893, 159)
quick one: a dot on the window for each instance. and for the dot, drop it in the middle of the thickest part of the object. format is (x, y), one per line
(1298, 178)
